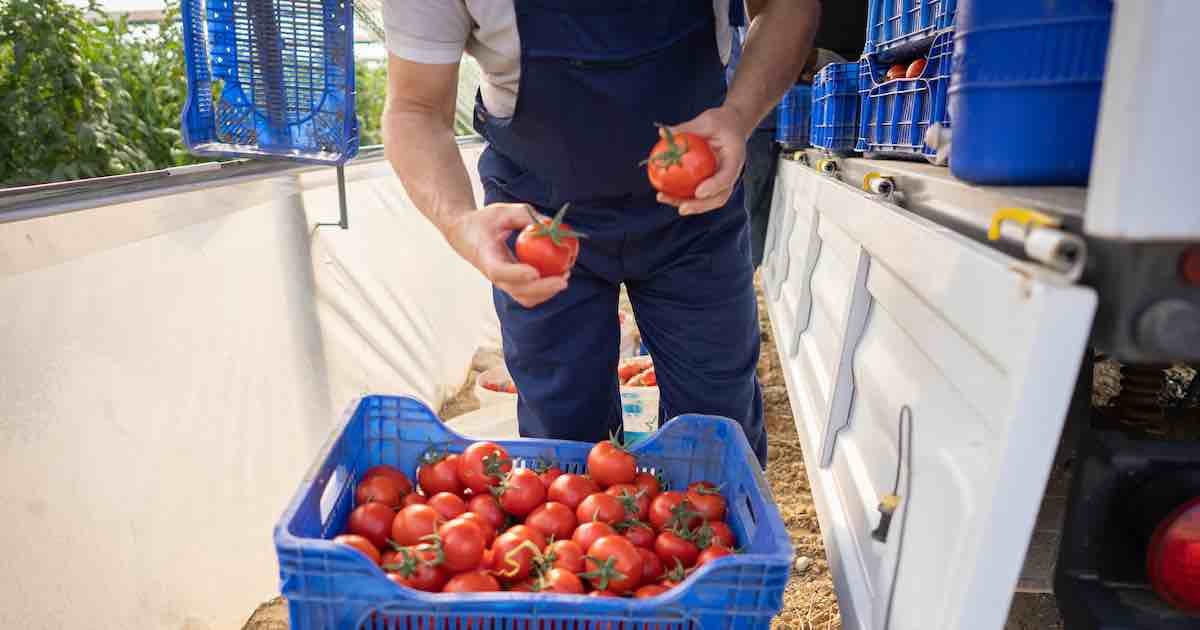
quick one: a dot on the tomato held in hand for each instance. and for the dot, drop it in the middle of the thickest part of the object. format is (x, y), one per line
(372, 521)
(679, 162)
(521, 492)
(895, 72)
(549, 245)
(571, 489)
(915, 69)
(601, 507)
(483, 465)
(473, 582)
(609, 463)
(361, 544)
(414, 523)
(552, 519)
(613, 564)
(462, 545)
(438, 472)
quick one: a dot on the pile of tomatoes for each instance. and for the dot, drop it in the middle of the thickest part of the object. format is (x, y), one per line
(477, 524)
(637, 372)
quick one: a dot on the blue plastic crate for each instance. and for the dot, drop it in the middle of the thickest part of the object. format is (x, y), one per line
(328, 585)
(1031, 118)
(894, 115)
(793, 117)
(835, 108)
(270, 78)
(894, 26)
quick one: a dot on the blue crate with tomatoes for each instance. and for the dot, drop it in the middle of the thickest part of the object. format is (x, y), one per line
(900, 102)
(403, 523)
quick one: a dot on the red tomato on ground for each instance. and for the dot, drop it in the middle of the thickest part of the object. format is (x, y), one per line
(438, 472)
(671, 547)
(413, 523)
(521, 492)
(372, 521)
(652, 566)
(613, 564)
(895, 72)
(564, 554)
(549, 245)
(635, 502)
(473, 582)
(483, 465)
(679, 162)
(590, 532)
(601, 507)
(608, 463)
(462, 544)
(915, 69)
(513, 557)
(403, 485)
(380, 489)
(571, 489)
(447, 505)
(361, 544)
(552, 519)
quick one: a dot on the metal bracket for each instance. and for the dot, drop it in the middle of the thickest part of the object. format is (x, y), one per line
(343, 213)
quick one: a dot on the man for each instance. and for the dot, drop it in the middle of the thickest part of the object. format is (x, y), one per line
(568, 102)
(841, 36)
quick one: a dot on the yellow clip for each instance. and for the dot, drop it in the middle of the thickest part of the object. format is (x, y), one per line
(826, 165)
(873, 175)
(1024, 216)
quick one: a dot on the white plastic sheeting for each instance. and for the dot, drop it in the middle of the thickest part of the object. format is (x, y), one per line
(168, 369)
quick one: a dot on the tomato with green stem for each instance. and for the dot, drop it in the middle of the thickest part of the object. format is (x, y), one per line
(708, 502)
(601, 507)
(648, 483)
(564, 554)
(715, 533)
(610, 463)
(547, 472)
(671, 546)
(635, 501)
(418, 567)
(672, 509)
(679, 162)
(483, 465)
(413, 523)
(462, 543)
(520, 492)
(380, 489)
(549, 245)
(438, 472)
(613, 564)
(638, 533)
(514, 557)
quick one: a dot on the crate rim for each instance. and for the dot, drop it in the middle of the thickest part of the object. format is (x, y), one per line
(285, 539)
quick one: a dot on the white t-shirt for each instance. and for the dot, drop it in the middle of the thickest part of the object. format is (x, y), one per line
(440, 31)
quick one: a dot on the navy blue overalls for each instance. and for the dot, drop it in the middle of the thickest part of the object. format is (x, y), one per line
(595, 77)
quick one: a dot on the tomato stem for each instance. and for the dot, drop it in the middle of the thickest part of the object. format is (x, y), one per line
(604, 573)
(555, 231)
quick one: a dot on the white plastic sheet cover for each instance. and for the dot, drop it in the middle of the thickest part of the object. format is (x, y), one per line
(168, 369)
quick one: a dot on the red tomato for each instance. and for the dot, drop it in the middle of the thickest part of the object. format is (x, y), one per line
(489, 532)
(528, 585)
(413, 499)
(915, 69)
(701, 485)
(570, 490)
(602, 594)
(601, 507)
(652, 566)
(438, 472)
(416, 567)
(590, 532)
(650, 590)
(549, 245)
(462, 545)
(608, 463)
(638, 533)
(613, 564)
(380, 489)
(483, 465)
(560, 581)
(401, 481)
(895, 72)
(513, 557)
(473, 582)
(674, 575)
(564, 554)
(548, 474)
(391, 556)
(414, 523)
(648, 483)
(372, 521)
(488, 507)
(632, 367)
(679, 162)
(716, 533)
(707, 502)
(521, 492)
(643, 379)
(671, 547)
(488, 558)
(672, 509)
(361, 544)
(710, 554)
(526, 531)
(552, 519)
(447, 505)
(635, 502)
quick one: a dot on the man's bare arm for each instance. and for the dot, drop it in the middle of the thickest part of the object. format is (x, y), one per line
(418, 138)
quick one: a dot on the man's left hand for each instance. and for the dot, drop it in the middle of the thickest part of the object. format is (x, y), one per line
(726, 131)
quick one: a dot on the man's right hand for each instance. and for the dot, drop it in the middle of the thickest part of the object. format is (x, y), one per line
(481, 238)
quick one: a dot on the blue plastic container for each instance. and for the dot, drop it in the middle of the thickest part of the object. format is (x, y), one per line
(1027, 118)
(793, 120)
(894, 115)
(329, 586)
(270, 78)
(835, 108)
(896, 26)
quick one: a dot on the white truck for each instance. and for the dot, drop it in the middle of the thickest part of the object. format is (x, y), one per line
(939, 374)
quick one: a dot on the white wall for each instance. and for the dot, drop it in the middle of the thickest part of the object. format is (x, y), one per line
(169, 367)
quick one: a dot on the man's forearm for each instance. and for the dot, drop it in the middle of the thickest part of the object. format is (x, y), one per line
(425, 156)
(777, 43)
